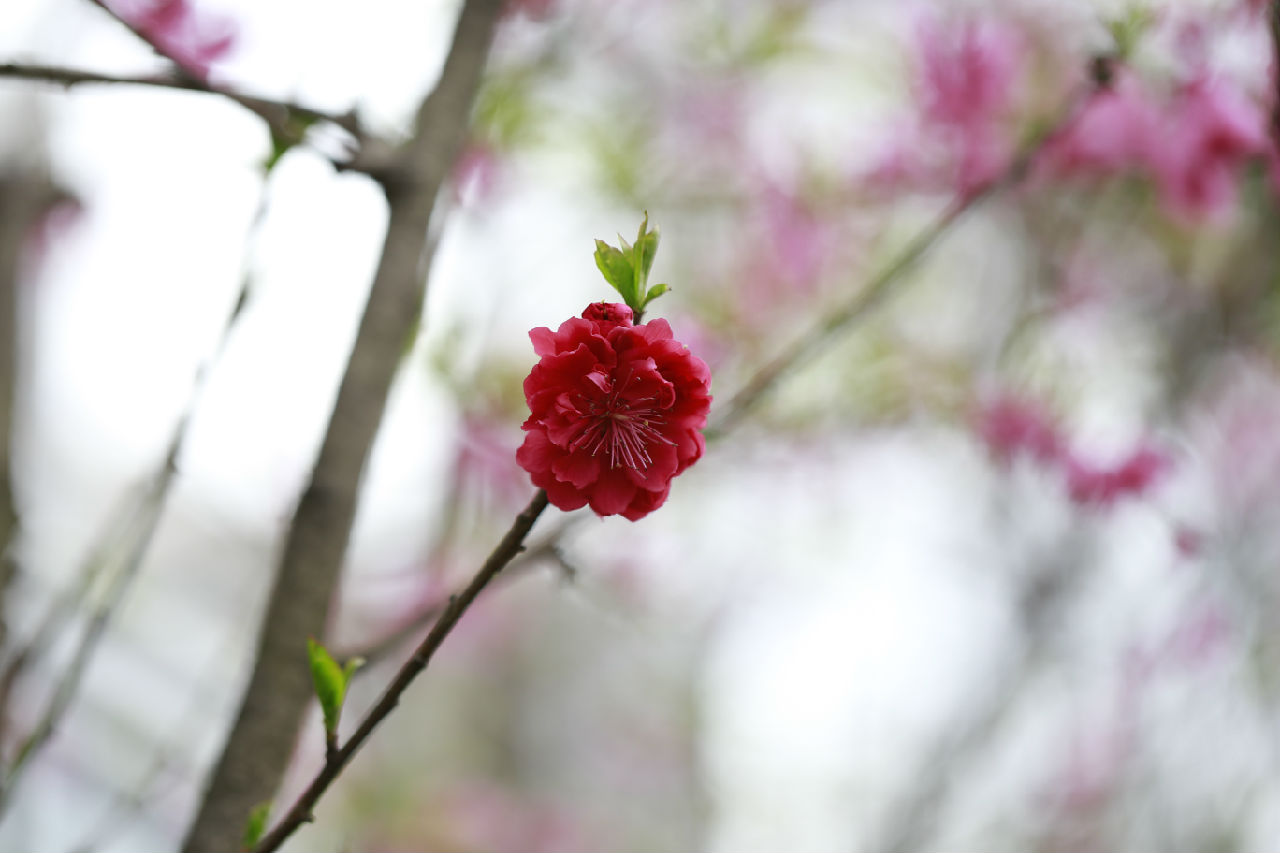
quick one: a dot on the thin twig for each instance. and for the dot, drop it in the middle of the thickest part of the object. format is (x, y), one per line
(1043, 600)
(510, 545)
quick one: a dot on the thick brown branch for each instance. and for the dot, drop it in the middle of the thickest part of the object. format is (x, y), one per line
(511, 544)
(261, 740)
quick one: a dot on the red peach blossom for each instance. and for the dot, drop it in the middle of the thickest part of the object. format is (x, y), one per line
(616, 411)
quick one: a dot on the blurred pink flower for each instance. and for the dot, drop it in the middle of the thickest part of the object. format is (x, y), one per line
(1212, 130)
(195, 40)
(1010, 427)
(1203, 631)
(966, 88)
(1133, 477)
(484, 458)
(487, 817)
(800, 240)
(1117, 129)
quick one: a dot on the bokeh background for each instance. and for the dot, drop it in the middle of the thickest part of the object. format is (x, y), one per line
(995, 568)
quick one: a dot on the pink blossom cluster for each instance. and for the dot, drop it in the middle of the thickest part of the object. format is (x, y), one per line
(966, 88)
(1193, 146)
(1192, 143)
(1013, 428)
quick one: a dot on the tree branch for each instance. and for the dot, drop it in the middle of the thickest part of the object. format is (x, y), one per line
(258, 748)
(276, 115)
(117, 554)
(279, 115)
(510, 545)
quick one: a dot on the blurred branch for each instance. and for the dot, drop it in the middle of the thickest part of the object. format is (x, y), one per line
(1043, 599)
(117, 582)
(1273, 20)
(279, 115)
(260, 743)
(821, 334)
(111, 565)
(510, 545)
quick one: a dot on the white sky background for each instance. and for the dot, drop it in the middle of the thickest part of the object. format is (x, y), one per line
(854, 614)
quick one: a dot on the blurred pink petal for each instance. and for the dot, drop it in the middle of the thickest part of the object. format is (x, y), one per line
(195, 40)
(1117, 130)
(1212, 130)
(1101, 486)
(1010, 427)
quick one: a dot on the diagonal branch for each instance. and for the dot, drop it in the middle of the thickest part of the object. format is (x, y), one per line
(510, 545)
(258, 748)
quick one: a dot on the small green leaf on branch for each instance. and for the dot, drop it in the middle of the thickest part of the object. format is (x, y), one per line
(626, 267)
(643, 252)
(255, 825)
(330, 682)
(617, 270)
(656, 291)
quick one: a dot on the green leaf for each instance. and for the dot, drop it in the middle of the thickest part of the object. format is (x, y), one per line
(330, 683)
(255, 825)
(615, 266)
(656, 291)
(627, 266)
(643, 253)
